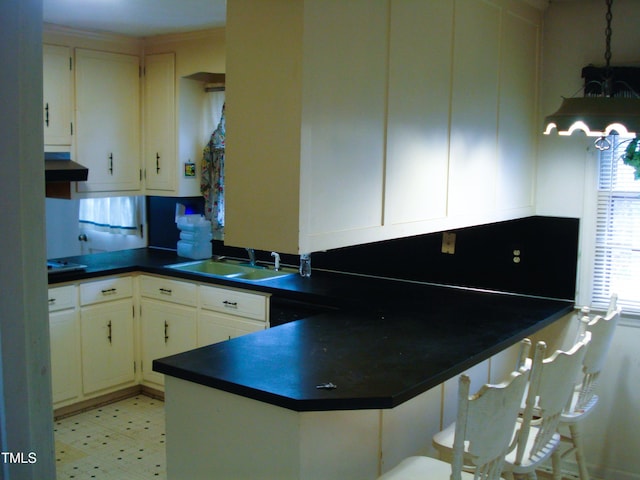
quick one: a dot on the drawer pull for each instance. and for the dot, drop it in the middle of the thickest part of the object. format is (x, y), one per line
(52, 301)
(229, 304)
(166, 331)
(109, 331)
(165, 291)
(109, 291)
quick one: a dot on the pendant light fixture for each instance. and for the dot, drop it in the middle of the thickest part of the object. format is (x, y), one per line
(601, 113)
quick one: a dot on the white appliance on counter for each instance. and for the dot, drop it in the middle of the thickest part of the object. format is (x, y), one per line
(63, 229)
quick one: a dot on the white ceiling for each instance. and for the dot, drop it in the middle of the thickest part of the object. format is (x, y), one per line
(139, 18)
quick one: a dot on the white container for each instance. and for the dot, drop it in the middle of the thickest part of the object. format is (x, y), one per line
(194, 250)
(196, 236)
(191, 223)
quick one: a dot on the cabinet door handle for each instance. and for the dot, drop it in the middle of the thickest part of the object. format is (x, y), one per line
(157, 162)
(166, 331)
(165, 291)
(109, 331)
(229, 304)
(110, 163)
(46, 114)
(109, 291)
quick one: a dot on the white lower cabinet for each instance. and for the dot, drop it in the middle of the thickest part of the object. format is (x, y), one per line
(226, 314)
(107, 346)
(64, 331)
(167, 321)
(97, 339)
(177, 316)
(107, 334)
(165, 330)
(216, 327)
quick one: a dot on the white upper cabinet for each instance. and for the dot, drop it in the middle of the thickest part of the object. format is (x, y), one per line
(160, 161)
(360, 121)
(108, 120)
(57, 88)
(305, 123)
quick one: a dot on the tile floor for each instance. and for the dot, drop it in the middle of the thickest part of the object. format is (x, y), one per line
(123, 440)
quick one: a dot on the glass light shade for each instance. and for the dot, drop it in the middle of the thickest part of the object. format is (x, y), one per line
(596, 116)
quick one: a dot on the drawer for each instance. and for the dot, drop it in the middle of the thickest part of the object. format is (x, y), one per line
(169, 290)
(106, 290)
(249, 305)
(61, 298)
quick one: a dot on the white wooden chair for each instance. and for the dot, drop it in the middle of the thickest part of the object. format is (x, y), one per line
(584, 399)
(550, 385)
(484, 432)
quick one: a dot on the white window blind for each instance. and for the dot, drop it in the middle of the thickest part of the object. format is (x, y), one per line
(617, 249)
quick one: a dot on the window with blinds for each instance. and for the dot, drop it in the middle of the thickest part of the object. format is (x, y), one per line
(617, 249)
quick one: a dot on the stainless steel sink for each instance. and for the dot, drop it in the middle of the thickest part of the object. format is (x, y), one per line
(232, 269)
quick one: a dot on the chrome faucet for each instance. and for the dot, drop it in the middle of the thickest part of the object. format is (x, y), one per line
(276, 263)
(252, 256)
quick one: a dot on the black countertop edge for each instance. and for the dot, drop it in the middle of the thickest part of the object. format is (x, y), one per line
(181, 366)
(298, 405)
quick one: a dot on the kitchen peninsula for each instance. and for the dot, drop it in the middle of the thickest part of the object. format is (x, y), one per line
(250, 407)
(341, 395)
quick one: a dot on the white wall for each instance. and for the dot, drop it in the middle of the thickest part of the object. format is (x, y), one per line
(573, 38)
(26, 424)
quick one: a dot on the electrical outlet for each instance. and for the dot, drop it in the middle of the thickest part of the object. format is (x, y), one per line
(449, 243)
(516, 255)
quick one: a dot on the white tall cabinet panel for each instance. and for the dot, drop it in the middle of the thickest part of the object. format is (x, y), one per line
(474, 108)
(56, 98)
(518, 100)
(344, 80)
(108, 120)
(418, 111)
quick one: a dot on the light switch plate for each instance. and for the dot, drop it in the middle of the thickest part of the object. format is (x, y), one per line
(449, 243)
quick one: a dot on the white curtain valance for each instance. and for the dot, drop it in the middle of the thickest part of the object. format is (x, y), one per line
(113, 214)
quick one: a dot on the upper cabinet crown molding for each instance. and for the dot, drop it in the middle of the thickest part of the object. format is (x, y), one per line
(73, 37)
(185, 36)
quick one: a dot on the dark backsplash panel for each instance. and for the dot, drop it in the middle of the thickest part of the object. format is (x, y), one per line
(161, 214)
(484, 255)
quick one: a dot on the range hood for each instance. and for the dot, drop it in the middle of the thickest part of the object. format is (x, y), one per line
(60, 171)
(58, 167)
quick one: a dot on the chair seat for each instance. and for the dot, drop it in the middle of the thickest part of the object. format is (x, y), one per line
(574, 415)
(422, 468)
(528, 462)
(443, 442)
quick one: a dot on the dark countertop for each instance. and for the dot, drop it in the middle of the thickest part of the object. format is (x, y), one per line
(390, 340)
